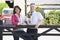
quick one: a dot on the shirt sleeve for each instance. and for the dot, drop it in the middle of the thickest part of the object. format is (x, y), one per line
(40, 17)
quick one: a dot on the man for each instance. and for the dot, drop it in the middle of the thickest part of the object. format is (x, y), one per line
(36, 19)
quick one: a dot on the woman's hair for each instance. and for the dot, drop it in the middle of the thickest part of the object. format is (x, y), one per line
(16, 7)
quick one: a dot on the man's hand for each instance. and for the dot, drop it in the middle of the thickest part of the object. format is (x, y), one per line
(37, 25)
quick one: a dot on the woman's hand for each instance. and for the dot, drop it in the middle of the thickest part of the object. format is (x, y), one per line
(24, 24)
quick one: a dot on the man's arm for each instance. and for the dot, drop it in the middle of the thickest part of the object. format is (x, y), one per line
(41, 19)
(39, 23)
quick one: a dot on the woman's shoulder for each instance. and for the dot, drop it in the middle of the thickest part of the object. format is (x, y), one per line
(13, 15)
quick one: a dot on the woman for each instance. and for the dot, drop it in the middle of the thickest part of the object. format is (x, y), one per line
(18, 20)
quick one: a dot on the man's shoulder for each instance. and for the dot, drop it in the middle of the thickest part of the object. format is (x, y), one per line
(38, 13)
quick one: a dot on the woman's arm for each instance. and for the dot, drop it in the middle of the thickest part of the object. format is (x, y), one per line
(13, 20)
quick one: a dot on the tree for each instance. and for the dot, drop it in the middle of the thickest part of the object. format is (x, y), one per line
(2, 6)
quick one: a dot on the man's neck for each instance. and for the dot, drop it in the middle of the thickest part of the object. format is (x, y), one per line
(32, 11)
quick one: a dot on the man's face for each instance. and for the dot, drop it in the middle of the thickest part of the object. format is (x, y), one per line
(32, 7)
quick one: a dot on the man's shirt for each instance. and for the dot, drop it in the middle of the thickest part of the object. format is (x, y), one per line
(35, 18)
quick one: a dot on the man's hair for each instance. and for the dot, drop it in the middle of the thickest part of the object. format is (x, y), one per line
(32, 4)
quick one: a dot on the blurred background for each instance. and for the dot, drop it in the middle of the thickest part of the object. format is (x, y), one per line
(50, 10)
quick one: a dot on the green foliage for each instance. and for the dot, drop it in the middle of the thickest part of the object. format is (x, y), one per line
(38, 9)
(53, 17)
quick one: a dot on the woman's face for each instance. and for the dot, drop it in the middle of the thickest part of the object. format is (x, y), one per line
(17, 10)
